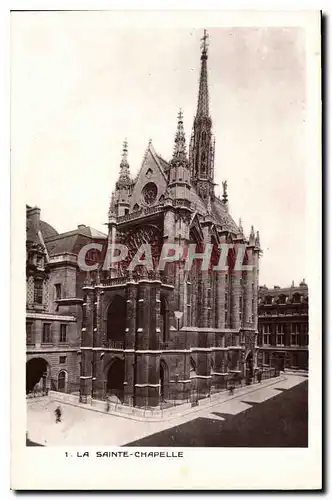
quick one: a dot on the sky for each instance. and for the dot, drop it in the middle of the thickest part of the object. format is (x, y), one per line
(80, 86)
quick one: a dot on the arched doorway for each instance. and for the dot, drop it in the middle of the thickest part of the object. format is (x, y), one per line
(116, 320)
(163, 381)
(62, 381)
(249, 366)
(115, 379)
(36, 374)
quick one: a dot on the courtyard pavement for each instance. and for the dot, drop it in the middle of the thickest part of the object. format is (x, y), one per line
(83, 427)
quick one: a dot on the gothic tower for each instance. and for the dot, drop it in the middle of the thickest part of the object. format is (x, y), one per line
(202, 145)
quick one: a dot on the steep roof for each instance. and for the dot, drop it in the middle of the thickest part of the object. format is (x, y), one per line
(222, 217)
(73, 241)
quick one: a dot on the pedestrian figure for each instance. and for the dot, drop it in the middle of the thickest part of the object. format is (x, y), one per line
(259, 376)
(108, 405)
(58, 414)
(231, 389)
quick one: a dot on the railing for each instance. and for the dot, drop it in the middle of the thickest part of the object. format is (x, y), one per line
(143, 212)
(113, 344)
(123, 280)
(182, 203)
(175, 344)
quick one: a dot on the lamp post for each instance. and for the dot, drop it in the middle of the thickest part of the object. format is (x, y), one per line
(178, 316)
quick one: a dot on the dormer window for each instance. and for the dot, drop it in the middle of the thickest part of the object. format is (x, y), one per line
(40, 261)
(268, 300)
(282, 299)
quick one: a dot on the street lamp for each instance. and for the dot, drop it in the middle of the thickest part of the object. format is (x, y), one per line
(178, 315)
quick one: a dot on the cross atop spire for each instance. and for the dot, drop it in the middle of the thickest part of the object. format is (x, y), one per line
(124, 177)
(205, 43)
(203, 93)
(180, 140)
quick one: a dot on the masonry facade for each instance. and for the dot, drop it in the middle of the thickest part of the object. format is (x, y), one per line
(152, 334)
(54, 300)
(283, 338)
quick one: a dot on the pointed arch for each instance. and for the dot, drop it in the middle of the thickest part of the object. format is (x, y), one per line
(115, 378)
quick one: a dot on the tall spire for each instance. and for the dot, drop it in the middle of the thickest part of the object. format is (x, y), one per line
(124, 180)
(203, 93)
(202, 146)
(179, 173)
(179, 154)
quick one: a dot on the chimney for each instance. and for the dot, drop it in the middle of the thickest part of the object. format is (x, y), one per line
(33, 214)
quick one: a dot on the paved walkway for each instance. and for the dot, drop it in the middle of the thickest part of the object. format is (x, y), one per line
(82, 427)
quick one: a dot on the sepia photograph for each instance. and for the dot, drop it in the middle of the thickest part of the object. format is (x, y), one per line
(163, 194)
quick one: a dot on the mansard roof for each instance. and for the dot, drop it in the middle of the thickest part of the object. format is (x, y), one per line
(301, 289)
(72, 241)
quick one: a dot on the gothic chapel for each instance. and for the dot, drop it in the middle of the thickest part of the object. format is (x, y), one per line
(149, 336)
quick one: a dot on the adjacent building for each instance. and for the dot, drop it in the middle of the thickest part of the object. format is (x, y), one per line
(54, 300)
(283, 327)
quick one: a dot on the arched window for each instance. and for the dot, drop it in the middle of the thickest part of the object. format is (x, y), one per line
(62, 381)
(282, 299)
(136, 207)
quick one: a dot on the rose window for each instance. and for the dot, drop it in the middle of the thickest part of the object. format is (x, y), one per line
(149, 193)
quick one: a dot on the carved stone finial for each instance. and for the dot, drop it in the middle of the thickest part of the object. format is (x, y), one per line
(241, 227)
(257, 240)
(124, 180)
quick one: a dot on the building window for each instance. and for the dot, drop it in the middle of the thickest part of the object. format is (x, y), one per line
(226, 318)
(280, 334)
(266, 334)
(266, 358)
(47, 339)
(268, 300)
(62, 360)
(29, 336)
(38, 291)
(57, 291)
(63, 333)
(296, 298)
(295, 334)
(306, 339)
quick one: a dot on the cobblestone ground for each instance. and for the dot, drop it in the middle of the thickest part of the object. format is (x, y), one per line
(84, 427)
(256, 421)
